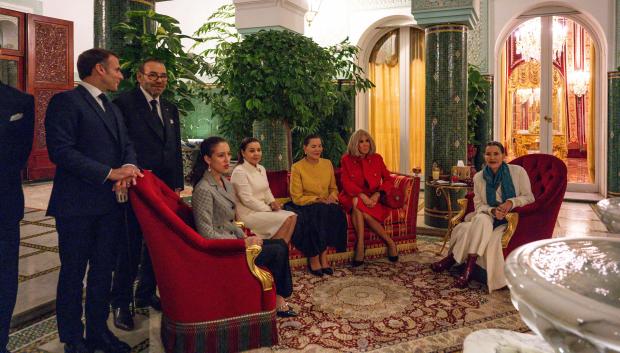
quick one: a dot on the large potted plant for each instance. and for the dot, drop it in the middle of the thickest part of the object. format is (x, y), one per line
(477, 105)
(274, 81)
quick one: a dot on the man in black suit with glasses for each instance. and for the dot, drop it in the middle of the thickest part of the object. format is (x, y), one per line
(153, 126)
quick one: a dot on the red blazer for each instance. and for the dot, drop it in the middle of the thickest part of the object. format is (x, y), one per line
(363, 175)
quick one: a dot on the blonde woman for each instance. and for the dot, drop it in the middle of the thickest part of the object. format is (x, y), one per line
(364, 177)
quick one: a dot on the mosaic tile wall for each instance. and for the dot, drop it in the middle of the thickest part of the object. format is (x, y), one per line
(446, 108)
(108, 13)
(484, 133)
(478, 40)
(613, 134)
(273, 138)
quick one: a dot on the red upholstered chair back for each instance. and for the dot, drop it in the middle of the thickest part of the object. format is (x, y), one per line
(548, 178)
(279, 183)
(199, 279)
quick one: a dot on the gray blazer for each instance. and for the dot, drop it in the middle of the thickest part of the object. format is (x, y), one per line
(214, 209)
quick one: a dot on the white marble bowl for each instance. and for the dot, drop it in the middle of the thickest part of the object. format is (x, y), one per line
(568, 291)
(610, 213)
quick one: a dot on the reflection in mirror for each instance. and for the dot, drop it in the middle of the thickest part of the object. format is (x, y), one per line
(8, 72)
(9, 33)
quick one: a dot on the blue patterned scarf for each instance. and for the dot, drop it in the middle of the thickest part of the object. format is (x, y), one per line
(493, 181)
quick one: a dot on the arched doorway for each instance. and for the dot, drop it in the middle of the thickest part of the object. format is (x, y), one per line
(548, 94)
(395, 107)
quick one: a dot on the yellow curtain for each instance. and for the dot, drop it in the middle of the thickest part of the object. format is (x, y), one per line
(417, 83)
(384, 99)
(505, 108)
(590, 122)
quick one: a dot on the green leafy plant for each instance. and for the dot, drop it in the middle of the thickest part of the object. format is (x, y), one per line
(282, 76)
(477, 101)
(163, 43)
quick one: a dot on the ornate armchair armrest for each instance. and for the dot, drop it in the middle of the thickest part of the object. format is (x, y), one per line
(265, 278)
(458, 218)
(513, 220)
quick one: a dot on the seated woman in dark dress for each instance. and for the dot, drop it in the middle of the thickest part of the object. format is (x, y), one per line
(321, 222)
(213, 204)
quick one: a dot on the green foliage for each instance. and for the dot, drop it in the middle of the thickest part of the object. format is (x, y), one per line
(284, 76)
(165, 44)
(477, 101)
(335, 130)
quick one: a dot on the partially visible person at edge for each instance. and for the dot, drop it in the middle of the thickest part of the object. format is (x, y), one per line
(256, 206)
(321, 221)
(498, 188)
(213, 204)
(16, 134)
(364, 177)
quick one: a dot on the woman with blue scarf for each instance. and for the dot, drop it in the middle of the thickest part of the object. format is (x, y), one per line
(498, 188)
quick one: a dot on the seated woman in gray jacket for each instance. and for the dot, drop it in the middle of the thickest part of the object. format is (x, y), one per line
(213, 203)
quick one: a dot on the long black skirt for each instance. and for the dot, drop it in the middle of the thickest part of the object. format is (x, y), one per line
(274, 256)
(318, 226)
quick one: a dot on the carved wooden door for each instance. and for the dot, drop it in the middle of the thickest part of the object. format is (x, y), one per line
(49, 71)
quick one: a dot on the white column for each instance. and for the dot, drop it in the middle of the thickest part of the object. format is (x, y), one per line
(254, 15)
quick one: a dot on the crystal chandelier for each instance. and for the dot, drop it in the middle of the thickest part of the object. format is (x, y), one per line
(527, 37)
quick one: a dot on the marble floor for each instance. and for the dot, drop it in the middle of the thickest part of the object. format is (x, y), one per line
(39, 265)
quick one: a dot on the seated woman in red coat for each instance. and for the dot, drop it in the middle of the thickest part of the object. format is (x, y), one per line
(364, 177)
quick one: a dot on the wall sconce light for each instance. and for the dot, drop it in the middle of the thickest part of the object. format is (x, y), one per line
(579, 80)
(315, 5)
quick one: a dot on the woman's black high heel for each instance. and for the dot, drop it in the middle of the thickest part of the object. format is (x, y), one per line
(318, 273)
(395, 257)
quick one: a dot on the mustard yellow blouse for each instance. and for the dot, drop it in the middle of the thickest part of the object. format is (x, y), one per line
(310, 182)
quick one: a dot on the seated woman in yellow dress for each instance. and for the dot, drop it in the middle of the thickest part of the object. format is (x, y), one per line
(321, 221)
(213, 206)
(256, 206)
(498, 188)
(364, 178)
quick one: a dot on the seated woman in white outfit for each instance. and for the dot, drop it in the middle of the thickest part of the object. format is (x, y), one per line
(256, 206)
(498, 188)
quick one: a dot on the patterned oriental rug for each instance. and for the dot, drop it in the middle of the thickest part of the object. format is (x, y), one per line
(378, 307)
(385, 307)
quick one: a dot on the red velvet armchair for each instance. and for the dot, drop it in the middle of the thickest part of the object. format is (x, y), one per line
(535, 221)
(214, 299)
(400, 224)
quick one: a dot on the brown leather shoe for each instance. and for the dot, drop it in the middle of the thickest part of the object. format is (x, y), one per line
(443, 264)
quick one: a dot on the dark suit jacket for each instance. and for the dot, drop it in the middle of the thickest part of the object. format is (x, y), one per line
(157, 151)
(16, 133)
(84, 145)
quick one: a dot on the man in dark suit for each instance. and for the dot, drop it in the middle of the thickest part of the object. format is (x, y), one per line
(16, 133)
(153, 125)
(88, 142)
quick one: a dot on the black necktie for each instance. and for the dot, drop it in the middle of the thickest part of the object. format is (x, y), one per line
(105, 101)
(109, 113)
(154, 111)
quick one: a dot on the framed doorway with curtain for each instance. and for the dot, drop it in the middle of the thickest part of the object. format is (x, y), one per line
(396, 103)
(547, 95)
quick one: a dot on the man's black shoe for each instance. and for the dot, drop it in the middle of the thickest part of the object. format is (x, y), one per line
(122, 318)
(108, 343)
(153, 302)
(76, 347)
